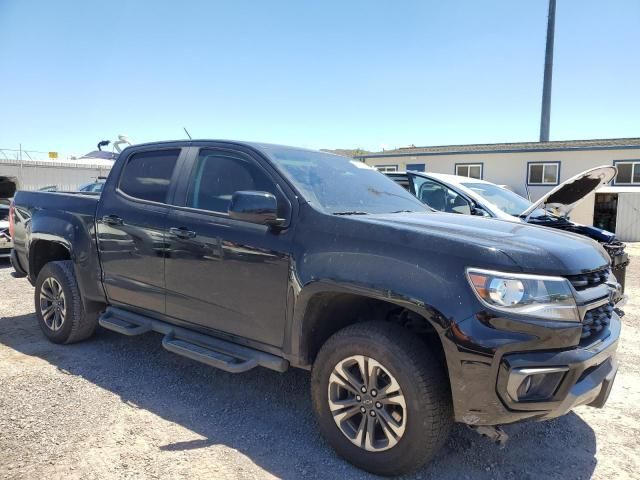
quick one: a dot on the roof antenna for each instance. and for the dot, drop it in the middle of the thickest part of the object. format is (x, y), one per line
(185, 131)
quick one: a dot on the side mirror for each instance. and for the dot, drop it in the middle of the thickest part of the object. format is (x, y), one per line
(479, 211)
(255, 207)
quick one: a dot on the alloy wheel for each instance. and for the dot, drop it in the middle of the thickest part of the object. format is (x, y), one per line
(53, 307)
(367, 403)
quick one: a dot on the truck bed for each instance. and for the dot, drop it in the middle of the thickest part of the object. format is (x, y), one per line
(66, 219)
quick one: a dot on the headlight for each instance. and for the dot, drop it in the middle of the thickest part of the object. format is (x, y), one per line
(549, 298)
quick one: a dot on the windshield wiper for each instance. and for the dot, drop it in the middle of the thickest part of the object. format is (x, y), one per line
(404, 211)
(353, 212)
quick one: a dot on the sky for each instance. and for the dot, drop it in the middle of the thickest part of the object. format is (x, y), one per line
(330, 74)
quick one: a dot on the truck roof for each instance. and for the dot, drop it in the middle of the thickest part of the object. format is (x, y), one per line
(261, 146)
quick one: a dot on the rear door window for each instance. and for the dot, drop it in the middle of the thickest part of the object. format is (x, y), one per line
(147, 175)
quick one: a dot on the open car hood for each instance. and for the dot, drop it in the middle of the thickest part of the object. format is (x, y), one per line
(563, 198)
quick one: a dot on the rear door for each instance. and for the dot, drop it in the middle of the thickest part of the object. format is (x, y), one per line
(225, 274)
(131, 223)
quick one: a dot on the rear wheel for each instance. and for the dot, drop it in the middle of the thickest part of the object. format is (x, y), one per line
(381, 399)
(59, 308)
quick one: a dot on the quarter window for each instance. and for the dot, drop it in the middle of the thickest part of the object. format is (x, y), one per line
(543, 173)
(439, 197)
(472, 170)
(628, 173)
(147, 175)
(218, 176)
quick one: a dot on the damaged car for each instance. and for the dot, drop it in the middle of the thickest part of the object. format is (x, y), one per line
(472, 196)
(6, 244)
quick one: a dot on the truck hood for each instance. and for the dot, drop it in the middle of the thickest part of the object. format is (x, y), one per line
(564, 198)
(534, 249)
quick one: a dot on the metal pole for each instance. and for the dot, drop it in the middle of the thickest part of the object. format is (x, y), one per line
(545, 117)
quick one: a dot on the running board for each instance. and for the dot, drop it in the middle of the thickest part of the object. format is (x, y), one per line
(212, 351)
(121, 324)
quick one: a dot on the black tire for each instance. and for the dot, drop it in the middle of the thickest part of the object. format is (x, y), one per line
(422, 379)
(18, 271)
(77, 324)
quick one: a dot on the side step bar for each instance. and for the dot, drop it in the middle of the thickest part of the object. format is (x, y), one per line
(212, 351)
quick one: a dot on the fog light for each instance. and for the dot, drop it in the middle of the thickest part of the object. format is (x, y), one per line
(534, 384)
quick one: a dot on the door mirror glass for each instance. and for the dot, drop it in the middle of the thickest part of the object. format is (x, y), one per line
(255, 207)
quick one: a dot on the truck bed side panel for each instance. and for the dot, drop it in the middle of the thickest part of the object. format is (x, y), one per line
(66, 219)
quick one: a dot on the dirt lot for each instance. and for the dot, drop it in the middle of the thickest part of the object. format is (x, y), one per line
(117, 407)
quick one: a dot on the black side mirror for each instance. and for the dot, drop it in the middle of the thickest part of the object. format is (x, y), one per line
(255, 207)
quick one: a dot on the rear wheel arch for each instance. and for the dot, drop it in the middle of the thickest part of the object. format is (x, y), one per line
(43, 251)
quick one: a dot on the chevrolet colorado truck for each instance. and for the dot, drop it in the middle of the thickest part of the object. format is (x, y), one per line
(246, 255)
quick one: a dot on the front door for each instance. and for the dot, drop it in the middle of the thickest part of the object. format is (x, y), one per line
(131, 224)
(221, 273)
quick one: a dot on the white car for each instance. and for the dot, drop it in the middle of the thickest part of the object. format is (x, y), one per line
(471, 196)
(6, 244)
(453, 193)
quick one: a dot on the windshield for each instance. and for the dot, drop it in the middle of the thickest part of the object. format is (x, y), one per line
(340, 185)
(506, 200)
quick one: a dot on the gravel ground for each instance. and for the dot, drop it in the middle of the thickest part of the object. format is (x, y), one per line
(118, 407)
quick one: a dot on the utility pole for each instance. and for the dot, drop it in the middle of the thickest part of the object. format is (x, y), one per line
(545, 117)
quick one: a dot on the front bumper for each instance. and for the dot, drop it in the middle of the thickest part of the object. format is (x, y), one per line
(484, 390)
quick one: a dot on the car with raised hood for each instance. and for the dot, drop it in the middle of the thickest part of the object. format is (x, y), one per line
(246, 254)
(472, 196)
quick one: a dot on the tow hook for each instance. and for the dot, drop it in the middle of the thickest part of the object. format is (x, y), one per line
(493, 433)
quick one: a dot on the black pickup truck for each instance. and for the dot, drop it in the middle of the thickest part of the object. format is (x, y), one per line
(248, 255)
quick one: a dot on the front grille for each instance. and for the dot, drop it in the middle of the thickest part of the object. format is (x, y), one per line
(588, 280)
(596, 321)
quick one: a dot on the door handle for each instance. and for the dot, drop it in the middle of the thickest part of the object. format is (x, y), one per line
(112, 220)
(182, 232)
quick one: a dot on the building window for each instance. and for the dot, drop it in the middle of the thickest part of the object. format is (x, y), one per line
(387, 168)
(543, 173)
(628, 173)
(473, 170)
(416, 167)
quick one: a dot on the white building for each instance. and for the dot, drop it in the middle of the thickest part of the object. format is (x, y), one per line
(64, 175)
(533, 168)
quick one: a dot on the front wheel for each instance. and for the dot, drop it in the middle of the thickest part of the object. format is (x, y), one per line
(381, 398)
